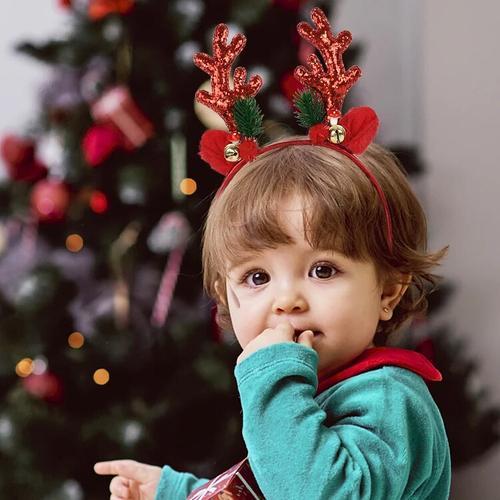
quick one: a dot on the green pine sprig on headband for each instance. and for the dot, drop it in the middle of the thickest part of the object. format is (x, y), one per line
(248, 117)
(310, 108)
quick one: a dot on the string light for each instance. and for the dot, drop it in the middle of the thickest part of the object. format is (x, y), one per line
(101, 376)
(188, 186)
(76, 340)
(74, 243)
(25, 367)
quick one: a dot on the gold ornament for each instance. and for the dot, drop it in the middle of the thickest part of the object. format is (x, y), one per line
(337, 133)
(208, 117)
(232, 153)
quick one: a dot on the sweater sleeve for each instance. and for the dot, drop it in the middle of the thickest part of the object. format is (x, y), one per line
(176, 485)
(361, 443)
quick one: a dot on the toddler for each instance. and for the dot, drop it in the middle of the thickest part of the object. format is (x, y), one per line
(315, 251)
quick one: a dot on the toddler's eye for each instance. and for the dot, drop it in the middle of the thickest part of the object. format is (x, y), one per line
(322, 271)
(256, 278)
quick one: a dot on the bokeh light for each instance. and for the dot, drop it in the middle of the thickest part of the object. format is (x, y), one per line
(76, 340)
(101, 376)
(40, 365)
(188, 186)
(74, 242)
(25, 367)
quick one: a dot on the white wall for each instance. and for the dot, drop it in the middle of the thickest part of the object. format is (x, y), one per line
(460, 111)
(388, 32)
(21, 20)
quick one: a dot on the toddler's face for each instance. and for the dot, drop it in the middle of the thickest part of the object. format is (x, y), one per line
(336, 297)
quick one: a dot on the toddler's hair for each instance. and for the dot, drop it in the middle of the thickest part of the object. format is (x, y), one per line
(344, 213)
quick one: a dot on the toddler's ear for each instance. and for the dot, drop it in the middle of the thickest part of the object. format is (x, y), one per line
(392, 293)
(220, 290)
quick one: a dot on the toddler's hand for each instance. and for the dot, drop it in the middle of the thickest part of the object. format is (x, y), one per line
(133, 480)
(284, 332)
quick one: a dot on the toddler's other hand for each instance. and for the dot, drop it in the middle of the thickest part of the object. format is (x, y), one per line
(284, 332)
(133, 480)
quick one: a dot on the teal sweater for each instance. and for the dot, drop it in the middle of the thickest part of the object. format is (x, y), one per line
(377, 435)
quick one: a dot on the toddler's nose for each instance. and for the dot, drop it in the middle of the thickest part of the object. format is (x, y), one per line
(288, 303)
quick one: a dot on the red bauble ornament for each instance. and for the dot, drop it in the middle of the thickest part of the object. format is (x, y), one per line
(18, 154)
(99, 142)
(290, 86)
(101, 8)
(45, 386)
(17, 150)
(50, 200)
(65, 4)
(98, 202)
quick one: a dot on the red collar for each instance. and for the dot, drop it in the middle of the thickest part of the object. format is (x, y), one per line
(382, 356)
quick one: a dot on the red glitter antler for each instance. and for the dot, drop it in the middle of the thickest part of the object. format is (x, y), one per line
(223, 97)
(334, 83)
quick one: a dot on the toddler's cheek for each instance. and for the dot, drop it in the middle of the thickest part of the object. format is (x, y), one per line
(245, 330)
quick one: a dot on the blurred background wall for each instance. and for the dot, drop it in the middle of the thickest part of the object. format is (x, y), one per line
(435, 62)
(460, 97)
(21, 77)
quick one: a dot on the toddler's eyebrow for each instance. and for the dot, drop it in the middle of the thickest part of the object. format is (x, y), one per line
(240, 262)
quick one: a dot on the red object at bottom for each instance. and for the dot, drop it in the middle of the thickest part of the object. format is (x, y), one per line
(237, 482)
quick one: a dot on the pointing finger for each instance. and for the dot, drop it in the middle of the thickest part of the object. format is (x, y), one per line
(130, 469)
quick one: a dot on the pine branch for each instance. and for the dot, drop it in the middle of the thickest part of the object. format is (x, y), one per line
(310, 108)
(248, 117)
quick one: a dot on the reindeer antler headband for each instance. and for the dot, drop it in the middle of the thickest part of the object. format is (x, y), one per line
(319, 106)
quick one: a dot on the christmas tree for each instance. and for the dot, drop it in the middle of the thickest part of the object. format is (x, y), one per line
(109, 347)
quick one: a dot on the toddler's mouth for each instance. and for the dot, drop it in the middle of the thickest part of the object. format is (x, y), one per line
(296, 333)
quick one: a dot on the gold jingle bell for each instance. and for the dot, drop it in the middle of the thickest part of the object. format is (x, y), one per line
(337, 133)
(232, 153)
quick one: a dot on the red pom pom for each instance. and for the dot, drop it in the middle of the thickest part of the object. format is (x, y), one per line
(248, 149)
(50, 200)
(99, 142)
(319, 133)
(361, 125)
(212, 146)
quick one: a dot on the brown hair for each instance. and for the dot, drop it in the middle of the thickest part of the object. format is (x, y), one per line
(344, 213)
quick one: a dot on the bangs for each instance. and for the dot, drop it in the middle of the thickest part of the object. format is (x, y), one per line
(341, 212)
(336, 215)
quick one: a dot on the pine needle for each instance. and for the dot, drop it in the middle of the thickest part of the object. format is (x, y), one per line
(248, 117)
(310, 108)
